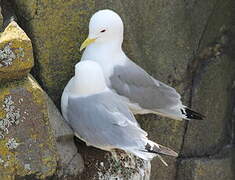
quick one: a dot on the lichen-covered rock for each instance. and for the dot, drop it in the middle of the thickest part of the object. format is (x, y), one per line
(101, 165)
(27, 141)
(16, 54)
(1, 21)
(207, 168)
(35, 141)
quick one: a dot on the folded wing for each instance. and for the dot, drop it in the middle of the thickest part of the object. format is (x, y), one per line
(105, 122)
(152, 96)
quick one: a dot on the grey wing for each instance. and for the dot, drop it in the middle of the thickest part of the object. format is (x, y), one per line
(103, 121)
(138, 86)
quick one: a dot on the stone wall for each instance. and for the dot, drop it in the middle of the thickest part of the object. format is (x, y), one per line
(186, 44)
(35, 141)
(1, 21)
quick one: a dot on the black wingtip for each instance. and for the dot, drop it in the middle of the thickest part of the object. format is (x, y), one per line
(161, 150)
(190, 114)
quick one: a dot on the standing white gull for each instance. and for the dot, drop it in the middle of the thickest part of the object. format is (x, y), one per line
(142, 92)
(100, 118)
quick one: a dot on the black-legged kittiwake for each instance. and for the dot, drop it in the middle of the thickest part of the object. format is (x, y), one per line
(100, 118)
(142, 92)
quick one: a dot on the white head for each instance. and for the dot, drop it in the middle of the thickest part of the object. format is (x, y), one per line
(89, 78)
(105, 26)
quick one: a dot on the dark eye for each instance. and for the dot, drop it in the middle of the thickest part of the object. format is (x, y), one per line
(103, 31)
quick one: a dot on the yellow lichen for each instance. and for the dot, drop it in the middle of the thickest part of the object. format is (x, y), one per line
(8, 166)
(47, 147)
(21, 46)
(3, 93)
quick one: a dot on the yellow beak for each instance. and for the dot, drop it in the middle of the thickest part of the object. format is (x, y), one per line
(87, 42)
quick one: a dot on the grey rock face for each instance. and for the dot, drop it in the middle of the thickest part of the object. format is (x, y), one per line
(212, 96)
(1, 21)
(186, 44)
(217, 168)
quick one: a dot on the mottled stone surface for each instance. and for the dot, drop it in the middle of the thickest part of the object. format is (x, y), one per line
(165, 37)
(35, 140)
(1, 20)
(216, 168)
(24, 124)
(211, 96)
(103, 165)
(212, 85)
(16, 56)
